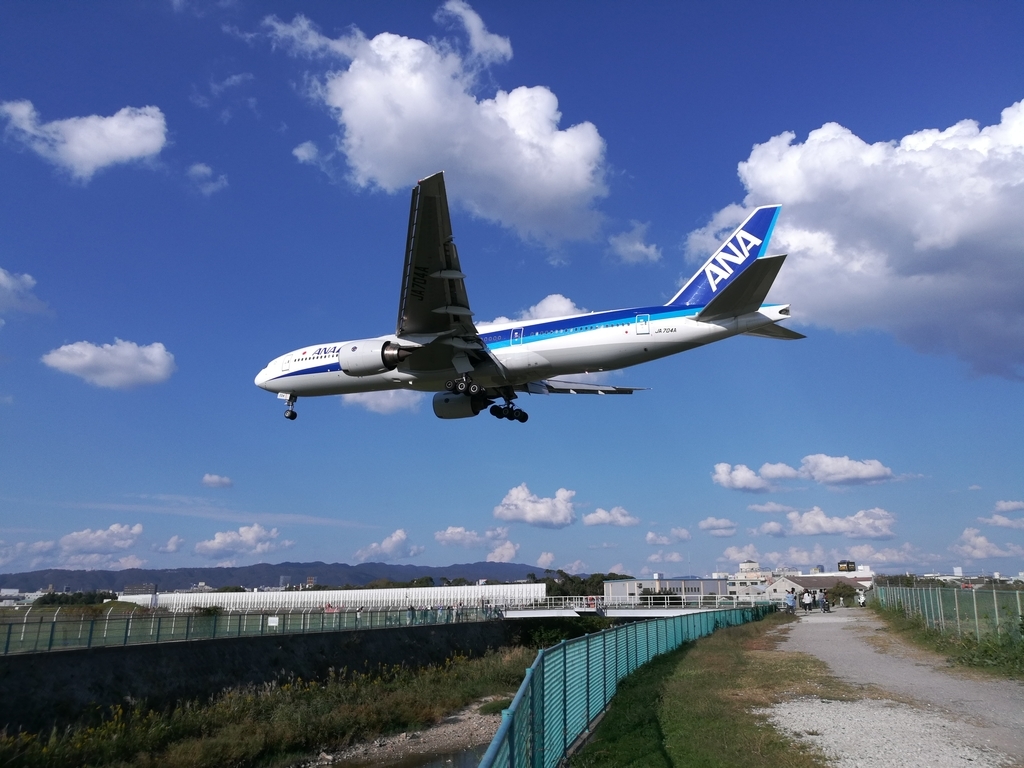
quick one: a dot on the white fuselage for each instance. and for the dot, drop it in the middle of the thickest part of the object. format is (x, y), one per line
(527, 350)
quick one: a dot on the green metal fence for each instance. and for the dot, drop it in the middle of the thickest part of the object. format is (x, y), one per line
(571, 683)
(953, 610)
(53, 632)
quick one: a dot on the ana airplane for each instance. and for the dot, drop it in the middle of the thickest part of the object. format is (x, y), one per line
(437, 347)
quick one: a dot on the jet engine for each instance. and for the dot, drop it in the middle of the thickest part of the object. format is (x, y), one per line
(449, 405)
(368, 357)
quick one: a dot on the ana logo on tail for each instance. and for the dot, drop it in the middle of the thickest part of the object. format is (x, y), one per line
(717, 270)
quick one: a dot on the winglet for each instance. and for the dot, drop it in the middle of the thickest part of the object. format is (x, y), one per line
(741, 249)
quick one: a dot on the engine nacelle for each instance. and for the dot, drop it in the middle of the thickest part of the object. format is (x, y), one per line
(368, 357)
(450, 405)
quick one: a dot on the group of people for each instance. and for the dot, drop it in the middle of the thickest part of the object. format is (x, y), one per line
(812, 600)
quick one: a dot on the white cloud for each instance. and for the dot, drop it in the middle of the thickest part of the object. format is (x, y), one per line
(974, 546)
(247, 540)
(717, 526)
(1009, 506)
(201, 175)
(842, 470)
(1001, 521)
(665, 557)
(307, 152)
(121, 365)
(461, 537)
(616, 568)
(771, 506)
(661, 540)
(798, 556)
(680, 534)
(630, 246)
(890, 235)
(232, 81)
(904, 555)
(101, 562)
(614, 516)
(118, 537)
(738, 478)
(503, 553)
(484, 45)
(576, 566)
(386, 402)
(827, 470)
(173, 544)
(552, 305)
(740, 554)
(771, 528)
(216, 481)
(393, 547)
(16, 293)
(519, 505)
(974, 487)
(873, 523)
(546, 559)
(407, 108)
(83, 145)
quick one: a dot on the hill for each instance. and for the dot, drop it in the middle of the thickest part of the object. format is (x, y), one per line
(260, 575)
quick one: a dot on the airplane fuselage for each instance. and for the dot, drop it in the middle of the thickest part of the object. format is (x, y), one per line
(527, 350)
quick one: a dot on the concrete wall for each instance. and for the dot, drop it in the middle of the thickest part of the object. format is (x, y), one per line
(38, 691)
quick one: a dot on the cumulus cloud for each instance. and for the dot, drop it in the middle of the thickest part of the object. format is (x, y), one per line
(631, 247)
(116, 538)
(201, 175)
(83, 145)
(247, 540)
(819, 467)
(173, 544)
(974, 546)
(409, 107)
(740, 554)
(614, 516)
(575, 567)
(121, 365)
(522, 506)
(771, 528)
(873, 523)
(1009, 506)
(307, 153)
(889, 235)
(461, 537)
(503, 553)
(16, 293)
(717, 526)
(553, 305)
(386, 402)
(1002, 521)
(393, 547)
(771, 506)
(662, 540)
(216, 481)
(795, 556)
(546, 559)
(665, 557)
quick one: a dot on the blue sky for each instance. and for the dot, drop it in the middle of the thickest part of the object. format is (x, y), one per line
(190, 190)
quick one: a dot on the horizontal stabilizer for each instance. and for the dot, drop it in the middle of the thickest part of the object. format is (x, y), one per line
(775, 332)
(559, 387)
(746, 293)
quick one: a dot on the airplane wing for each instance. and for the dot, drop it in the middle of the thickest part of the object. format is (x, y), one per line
(433, 308)
(559, 387)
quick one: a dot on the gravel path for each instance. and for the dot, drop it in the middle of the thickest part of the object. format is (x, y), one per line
(945, 717)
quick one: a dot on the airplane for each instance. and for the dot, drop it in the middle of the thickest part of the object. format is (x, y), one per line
(437, 346)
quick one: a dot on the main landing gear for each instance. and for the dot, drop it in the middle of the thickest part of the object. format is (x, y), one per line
(510, 412)
(464, 386)
(289, 399)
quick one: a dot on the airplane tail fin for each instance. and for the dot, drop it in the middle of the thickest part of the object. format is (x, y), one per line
(740, 251)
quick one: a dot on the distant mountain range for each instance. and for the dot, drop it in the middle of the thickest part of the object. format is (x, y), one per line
(260, 575)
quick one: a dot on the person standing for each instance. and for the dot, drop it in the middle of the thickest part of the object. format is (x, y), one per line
(806, 599)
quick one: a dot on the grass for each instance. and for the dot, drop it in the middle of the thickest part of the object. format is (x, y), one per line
(1001, 655)
(697, 706)
(272, 724)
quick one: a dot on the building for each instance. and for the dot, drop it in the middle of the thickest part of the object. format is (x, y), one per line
(751, 579)
(657, 584)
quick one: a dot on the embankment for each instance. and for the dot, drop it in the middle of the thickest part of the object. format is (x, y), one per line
(42, 690)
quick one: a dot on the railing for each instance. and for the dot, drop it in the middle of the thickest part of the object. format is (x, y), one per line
(951, 610)
(41, 633)
(600, 603)
(569, 685)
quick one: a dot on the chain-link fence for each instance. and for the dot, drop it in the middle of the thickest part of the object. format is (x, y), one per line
(964, 612)
(571, 683)
(53, 632)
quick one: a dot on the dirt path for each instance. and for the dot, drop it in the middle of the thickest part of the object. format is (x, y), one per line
(937, 715)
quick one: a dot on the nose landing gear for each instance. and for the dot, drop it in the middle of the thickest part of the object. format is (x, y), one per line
(289, 399)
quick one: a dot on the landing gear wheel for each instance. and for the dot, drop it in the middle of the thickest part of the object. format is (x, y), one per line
(449, 385)
(290, 415)
(496, 411)
(522, 416)
(461, 386)
(474, 388)
(506, 411)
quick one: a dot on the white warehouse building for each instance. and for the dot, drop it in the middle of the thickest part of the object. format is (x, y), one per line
(499, 595)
